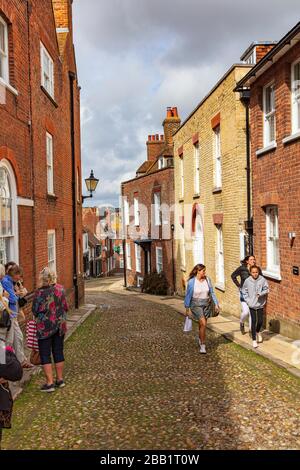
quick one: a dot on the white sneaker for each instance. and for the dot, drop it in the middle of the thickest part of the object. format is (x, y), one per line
(259, 338)
(202, 349)
(255, 345)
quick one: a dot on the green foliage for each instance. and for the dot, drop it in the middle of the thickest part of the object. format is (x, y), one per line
(155, 283)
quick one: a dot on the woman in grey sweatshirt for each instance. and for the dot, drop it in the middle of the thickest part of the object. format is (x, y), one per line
(255, 291)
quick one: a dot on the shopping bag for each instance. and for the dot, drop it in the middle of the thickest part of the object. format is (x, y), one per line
(188, 325)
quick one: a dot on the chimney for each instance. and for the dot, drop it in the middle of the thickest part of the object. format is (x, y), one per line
(62, 10)
(155, 146)
(171, 124)
(256, 51)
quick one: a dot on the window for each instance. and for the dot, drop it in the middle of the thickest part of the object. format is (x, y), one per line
(4, 71)
(85, 243)
(47, 71)
(8, 215)
(121, 250)
(159, 260)
(121, 263)
(157, 212)
(128, 255)
(126, 212)
(52, 250)
(269, 115)
(136, 212)
(220, 275)
(273, 259)
(138, 259)
(181, 178)
(218, 157)
(197, 168)
(296, 97)
(49, 150)
(251, 58)
(161, 163)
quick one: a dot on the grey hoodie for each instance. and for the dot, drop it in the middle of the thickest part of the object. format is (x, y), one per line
(255, 292)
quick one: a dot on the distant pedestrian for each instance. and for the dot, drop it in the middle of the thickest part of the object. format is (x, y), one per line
(243, 272)
(255, 291)
(49, 309)
(10, 370)
(15, 336)
(199, 300)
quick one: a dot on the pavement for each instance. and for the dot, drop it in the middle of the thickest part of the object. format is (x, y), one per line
(283, 351)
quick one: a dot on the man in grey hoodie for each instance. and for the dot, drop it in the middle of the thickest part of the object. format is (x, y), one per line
(255, 291)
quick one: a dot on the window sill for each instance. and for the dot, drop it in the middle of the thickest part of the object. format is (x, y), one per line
(220, 287)
(9, 87)
(49, 96)
(267, 149)
(196, 196)
(217, 190)
(272, 275)
(291, 138)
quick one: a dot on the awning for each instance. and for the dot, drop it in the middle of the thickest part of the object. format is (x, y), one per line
(145, 244)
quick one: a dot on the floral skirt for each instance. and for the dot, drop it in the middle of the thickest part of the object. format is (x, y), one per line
(201, 308)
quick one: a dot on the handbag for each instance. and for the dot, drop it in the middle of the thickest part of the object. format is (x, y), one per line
(213, 311)
(188, 325)
(5, 320)
(35, 358)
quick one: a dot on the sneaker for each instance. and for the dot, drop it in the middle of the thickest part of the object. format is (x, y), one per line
(48, 388)
(255, 345)
(202, 349)
(259, 338)
(59, 384)
(242, 328)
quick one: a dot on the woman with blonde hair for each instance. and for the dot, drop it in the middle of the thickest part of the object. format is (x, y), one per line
(199, 298)
(49, 309)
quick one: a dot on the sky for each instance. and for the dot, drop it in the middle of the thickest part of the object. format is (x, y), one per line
(137, 57)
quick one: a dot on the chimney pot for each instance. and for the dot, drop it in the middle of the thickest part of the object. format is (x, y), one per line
(162, 137)
(149, 138)
(169, 112)
(157, 137)
(175, 112)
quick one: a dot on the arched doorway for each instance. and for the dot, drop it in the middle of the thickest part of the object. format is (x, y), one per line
(198, 235)
(8, 214)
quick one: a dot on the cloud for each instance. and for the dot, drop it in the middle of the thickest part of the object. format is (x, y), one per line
(136, 57)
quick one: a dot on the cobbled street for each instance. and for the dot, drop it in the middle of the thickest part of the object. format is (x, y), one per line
(136, 381)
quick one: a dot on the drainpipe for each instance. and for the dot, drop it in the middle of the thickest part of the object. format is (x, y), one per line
(245, 99)
(72, 78)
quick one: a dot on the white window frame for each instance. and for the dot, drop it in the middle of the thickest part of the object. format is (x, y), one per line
(14, 236)
(128, 255)
(161, 163)
(217, 157)
(138, 258)
(4, 53)
(157, 208)
(136, 212)
(272, 238)
(295, 96)
(52, 262)
(197, 168)
(47, 77)
(268, 116)
(50, 166)
(85, 239)
(159, 259)
(181, 164)
(121, 261)
(220, 264)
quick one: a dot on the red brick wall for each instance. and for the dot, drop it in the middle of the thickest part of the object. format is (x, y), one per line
(276, 180)
(27, 152)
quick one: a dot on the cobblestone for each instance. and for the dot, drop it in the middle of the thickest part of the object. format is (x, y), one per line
(136, 381)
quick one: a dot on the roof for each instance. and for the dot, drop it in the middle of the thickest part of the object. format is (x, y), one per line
(257, 43)
(281, 48)
(93, 240)
(145, 167)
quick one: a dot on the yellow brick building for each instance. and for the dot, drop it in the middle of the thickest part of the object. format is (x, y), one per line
(210, 189)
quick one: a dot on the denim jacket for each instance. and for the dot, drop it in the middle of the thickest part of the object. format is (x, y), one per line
(8, 285)
(190, 292)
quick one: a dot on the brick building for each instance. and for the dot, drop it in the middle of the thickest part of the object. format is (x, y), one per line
(148, 209)
(274, 85)
(211, 185)
(40, 161)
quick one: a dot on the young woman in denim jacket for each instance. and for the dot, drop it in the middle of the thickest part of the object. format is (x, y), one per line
(199, 295)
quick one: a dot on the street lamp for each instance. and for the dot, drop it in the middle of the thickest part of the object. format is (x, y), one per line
(91, 184)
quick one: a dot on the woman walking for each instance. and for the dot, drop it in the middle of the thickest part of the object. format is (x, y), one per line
(255, 291)
(49, 309)
(243, 272)
(198, 300)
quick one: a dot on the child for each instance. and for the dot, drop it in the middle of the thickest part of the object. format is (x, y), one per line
(255, 291)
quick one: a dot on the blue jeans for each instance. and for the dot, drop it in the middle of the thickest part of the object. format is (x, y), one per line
(55, 345)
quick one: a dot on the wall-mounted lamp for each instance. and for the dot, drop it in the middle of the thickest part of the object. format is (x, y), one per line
(292, 235)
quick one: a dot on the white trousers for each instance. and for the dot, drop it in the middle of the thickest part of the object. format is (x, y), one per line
(245, 313)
